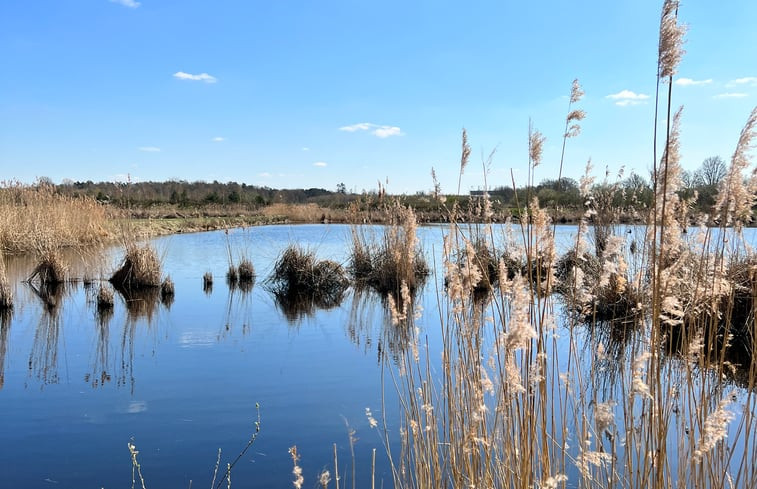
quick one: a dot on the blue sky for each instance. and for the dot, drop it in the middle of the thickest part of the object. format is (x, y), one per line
(293, 94)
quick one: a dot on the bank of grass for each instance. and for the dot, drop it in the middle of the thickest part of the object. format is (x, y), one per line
(31, 214)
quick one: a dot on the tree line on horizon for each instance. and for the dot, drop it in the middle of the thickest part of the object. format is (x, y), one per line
(699, 187)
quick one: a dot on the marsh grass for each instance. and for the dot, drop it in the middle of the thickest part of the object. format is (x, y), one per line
(300, 282)
(104, 298)
(509, 406)
(207, 282)
(30, 214)
(141, 268)
(395, 258)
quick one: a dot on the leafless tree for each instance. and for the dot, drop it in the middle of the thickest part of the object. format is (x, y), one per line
(711, 172)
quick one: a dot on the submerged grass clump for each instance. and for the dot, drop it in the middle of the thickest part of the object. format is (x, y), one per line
(141, 268)
(207, 282)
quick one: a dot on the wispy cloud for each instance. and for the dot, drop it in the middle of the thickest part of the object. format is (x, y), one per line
(730, 95)
(688, 82)
(320, 164)
(305, 149)
(625, 98)
(127, 3)
(149, 149)
(375, 129)
(750, 81)
(218, 139)
(203, 77)
(265, 174)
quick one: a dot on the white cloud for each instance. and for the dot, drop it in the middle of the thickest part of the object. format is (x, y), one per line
(375, 129)
(362, 126)
(305, 149)
(203, 77)
(320, 164)
(730, 95)
(624, 98)
(688, 82)
(149, 149)
(127, 3)
(387, 131)
(747, 80)
(265, 174)
(218, 139)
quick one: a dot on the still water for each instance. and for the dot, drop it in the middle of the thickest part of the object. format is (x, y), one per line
(181, 379)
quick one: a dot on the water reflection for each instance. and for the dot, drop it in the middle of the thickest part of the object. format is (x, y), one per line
(298, 303)
(140, 303)
(390, 340)
(100, 371)
(5, 326)
(43, 360)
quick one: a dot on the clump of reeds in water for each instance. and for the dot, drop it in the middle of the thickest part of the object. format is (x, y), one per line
(232, 276)
(141, 268)
(50, 269)
(6, 294)
(207, 282)
(300, 282)
(246, 272)
(391, 260)
(167, 291)
(104, 298)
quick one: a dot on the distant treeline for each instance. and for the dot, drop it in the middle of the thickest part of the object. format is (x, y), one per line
(631, 193)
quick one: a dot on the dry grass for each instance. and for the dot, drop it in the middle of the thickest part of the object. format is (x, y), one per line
(104, 298)
(141, 268)
(301, 283)
(246, 271)
(395, 258)
(33, 214)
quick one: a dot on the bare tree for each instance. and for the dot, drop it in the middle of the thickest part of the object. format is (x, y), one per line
(711, 172)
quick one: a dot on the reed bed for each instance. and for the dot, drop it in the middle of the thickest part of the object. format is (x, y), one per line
(509, 406)
(386, 263)
(30, 214)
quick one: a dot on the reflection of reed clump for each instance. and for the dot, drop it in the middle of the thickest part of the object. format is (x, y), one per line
(43, 360)
(141, 303)
(101, 364)
(300, 283)
(5, 325)
(6, 294)
(104, 299)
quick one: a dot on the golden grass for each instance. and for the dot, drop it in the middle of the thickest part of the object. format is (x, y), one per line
(30, 215)
(141, 268)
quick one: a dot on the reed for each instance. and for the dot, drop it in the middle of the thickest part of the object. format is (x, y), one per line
(6, 293)
(30, 214)
(141, 268)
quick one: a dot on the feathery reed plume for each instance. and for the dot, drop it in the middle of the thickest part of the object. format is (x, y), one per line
(535, 147)
(736, 199)
(670, 48)
(297, 470)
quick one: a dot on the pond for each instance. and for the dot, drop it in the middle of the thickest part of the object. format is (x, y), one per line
(182, 379)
